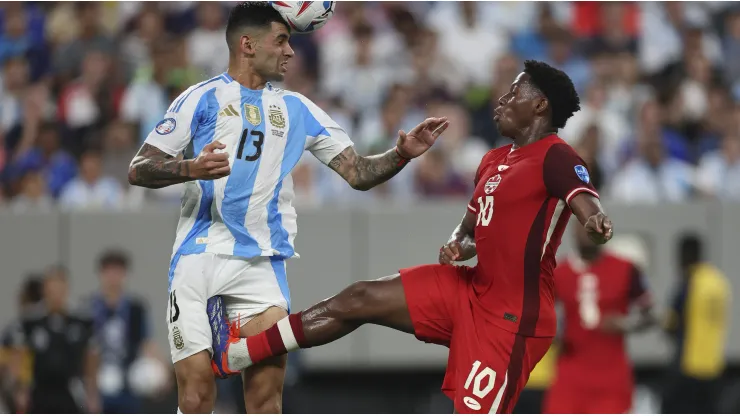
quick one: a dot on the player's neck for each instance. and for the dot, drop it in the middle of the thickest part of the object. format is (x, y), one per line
(246, 76)
(532, 134)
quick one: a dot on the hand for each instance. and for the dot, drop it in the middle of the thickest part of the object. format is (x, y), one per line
(210, 165)
(420, 138)
(599, 228)
(449, 252)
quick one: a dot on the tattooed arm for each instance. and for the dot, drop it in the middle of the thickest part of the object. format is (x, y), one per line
(153, 168)
(364, 173)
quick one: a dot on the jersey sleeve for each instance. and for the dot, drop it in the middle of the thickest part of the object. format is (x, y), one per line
(565, 173)
(639, 293)
(325, 138)
(173, 133)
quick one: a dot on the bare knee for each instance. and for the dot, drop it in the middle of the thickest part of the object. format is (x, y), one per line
(196, 397)
(269, 403)
(357, 301)
(196, 385)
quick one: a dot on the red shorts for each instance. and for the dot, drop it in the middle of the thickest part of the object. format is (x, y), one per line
(487, 366)
(565, 397)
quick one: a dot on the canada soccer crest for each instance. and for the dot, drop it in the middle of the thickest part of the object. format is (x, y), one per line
(492, 184)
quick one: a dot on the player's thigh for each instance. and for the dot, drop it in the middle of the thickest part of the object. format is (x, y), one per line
(490, 375)
(432, 294)
(189, 331)
(263, 383)
(618, 401)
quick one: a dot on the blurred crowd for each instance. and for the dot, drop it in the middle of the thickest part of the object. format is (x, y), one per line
(84, 83)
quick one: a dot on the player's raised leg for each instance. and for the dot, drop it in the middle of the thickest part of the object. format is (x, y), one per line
(419, 301)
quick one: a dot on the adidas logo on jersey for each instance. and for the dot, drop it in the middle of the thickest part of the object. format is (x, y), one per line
(228, 112)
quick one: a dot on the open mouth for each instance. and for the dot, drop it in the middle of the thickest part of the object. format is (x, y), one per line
(496, 114)
(284, 66)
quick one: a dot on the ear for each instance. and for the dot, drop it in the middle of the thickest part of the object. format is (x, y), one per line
(248, 44)
(541, 106)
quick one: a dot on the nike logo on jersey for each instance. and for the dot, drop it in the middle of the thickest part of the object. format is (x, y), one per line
(502, 168)
(228, 111)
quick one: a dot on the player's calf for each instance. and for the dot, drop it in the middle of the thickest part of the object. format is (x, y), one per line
(381, 302)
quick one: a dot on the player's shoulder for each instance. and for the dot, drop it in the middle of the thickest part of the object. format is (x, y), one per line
(190, 98)
(495, 154)
(555, 146)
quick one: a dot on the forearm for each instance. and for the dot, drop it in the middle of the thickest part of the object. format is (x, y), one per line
(463, 236)
(152, 168)
(364, 173)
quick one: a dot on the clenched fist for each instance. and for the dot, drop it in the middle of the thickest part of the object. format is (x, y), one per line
(209, 164)
(599, 228)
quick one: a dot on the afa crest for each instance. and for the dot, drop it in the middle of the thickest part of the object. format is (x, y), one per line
(276, 117)
(252, 114)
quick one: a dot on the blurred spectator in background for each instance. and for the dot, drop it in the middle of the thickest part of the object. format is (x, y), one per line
(698, 325)
(463, 150)
(718, 174)
(468, 40)
(91, 189)
(88, 37)
(136, 47)
(64, 357)
(15, 373)
(22, 36)
(434, 177)
(121, 326)
(89, 101)
(146, 98)
(206, 47)
(56, 165)
(652, 176)
(34, 196)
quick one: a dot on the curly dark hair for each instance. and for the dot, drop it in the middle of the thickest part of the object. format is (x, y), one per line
(557, 87)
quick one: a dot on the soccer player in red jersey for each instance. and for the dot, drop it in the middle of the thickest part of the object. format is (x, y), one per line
(497, 318)
(596, 290)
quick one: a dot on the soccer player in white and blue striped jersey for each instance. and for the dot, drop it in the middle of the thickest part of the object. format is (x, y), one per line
(233, 140)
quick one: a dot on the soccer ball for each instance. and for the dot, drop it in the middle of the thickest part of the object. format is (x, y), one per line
(305, 16)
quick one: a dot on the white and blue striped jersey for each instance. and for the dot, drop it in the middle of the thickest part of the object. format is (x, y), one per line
(250, 212)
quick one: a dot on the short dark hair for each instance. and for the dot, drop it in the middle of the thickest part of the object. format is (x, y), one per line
(116, 258)
(690, 249)
(557, 87)
(31, 291)
(250, 14)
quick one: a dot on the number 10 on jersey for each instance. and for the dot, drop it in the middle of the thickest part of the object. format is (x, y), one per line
(485, 210)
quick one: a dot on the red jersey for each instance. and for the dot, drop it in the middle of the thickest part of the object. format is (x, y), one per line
(521, 201)
(607, 286)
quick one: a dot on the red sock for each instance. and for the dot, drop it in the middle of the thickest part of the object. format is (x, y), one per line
(286, 335)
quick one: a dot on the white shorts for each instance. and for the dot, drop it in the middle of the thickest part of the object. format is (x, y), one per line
(248, 287)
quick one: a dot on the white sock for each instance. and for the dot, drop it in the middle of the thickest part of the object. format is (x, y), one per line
(238, 356)
(178, 411)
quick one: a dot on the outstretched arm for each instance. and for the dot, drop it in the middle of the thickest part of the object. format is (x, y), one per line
(461, 245)
(366, 172)
(590, 214)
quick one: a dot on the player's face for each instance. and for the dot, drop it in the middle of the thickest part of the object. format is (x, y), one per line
(273, 53)
(516, 108)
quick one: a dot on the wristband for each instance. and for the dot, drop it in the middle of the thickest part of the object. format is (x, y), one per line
(403, 160)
